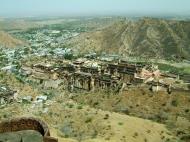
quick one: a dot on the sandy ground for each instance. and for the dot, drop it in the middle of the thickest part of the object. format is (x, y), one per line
(123, 128)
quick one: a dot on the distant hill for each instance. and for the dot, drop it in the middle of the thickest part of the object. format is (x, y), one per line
(148, 37)
(16, 24)
(9, 41)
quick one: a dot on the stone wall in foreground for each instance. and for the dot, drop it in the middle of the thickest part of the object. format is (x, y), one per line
(20, 124)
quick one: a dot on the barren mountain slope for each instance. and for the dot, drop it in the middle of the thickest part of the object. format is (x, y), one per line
(145, 37)
(8, 41)
(93, 125)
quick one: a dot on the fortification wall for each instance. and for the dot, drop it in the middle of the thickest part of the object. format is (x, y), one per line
(20, 124)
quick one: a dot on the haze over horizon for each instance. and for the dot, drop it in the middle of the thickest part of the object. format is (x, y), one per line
(27, 8)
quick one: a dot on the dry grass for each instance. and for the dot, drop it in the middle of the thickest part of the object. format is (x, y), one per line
(9, 41)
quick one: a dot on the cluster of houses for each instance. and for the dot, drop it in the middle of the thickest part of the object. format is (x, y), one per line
(47, 37)
(89, 75)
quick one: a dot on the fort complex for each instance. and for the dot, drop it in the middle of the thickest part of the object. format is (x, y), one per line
(89, 75)
(84, 79)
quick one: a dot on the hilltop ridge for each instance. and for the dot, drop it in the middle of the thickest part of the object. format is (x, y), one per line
(146, 37)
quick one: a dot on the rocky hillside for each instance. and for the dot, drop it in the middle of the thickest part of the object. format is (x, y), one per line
(145, 37)
(9, 41)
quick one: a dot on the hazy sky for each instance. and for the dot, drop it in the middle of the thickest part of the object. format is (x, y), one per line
(93, 7)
